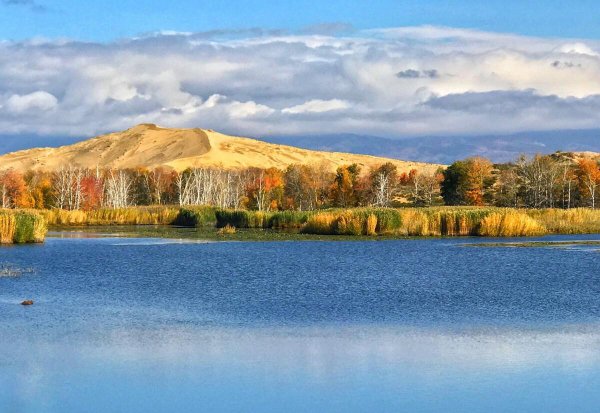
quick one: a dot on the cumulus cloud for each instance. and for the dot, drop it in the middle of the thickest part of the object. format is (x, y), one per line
(578, 48)
(32, 102)
(317, 106)
(391, 82)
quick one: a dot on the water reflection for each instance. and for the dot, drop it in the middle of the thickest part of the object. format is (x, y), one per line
(383, 368)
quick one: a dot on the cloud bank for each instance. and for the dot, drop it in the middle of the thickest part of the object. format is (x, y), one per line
(392, 82)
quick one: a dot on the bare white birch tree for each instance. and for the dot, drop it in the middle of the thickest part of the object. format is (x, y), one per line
(117, 187)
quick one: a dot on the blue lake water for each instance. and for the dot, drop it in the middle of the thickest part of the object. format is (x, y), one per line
(423, 325)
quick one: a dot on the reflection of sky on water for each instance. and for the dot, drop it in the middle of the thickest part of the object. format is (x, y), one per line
(311, 369)
(330, 349)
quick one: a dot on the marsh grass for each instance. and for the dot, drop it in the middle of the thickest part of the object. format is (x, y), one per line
(453, 221)
(21, 227)
(510, 223)
(261, 219)
(568, 221)
(153, 215)
(227, 230)
(197, 217)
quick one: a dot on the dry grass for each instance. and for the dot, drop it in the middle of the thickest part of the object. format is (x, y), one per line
(568, 221)
(371, 225)
(160, 215)
(7, 227)
(21, 227)
(320, 223)
(510, 223)
(453, 221)
(227, 230)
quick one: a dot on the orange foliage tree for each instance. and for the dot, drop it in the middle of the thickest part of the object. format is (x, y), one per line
(14, 191)
(588, 173)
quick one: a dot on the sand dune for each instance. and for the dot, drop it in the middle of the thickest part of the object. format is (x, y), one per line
(151, 146)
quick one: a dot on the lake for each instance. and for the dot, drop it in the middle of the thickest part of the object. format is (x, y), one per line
(133, 324)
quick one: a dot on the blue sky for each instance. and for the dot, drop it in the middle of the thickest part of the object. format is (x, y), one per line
(111, 19)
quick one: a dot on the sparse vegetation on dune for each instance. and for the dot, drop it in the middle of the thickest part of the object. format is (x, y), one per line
(21, 227)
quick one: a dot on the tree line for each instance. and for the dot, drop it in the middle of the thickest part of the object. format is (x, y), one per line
(560, 180)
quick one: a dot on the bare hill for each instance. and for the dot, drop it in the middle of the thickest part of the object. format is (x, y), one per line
(150, 146)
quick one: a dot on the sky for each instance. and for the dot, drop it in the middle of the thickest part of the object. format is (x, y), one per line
(388, 68)
(112, 19)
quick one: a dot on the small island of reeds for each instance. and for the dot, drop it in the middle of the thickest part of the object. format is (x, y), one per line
(19, 227)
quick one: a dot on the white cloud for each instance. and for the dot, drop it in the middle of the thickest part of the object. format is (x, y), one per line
(578, 48)
(35, 101)
(399, 81)
(317, 106)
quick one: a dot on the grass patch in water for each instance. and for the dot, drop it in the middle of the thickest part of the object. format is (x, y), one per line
(20, 226)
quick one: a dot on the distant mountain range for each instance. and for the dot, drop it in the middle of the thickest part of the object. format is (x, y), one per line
(445, 150)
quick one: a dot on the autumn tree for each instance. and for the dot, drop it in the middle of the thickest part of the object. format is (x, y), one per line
(588, 172)
(455, 184)
(39, 185)
(506, 188)
(118, 189)
(539, 177)
(319, 178)
(467, 182)
(264, 189)
(93, 190)
(298, 191)
(421, 189)
(479, 180)
(344, 191)
(160, 182)
(13, 190)
(383, 184)
(67, 185)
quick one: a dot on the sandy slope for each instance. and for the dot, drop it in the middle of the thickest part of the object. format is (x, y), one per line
(150, 146)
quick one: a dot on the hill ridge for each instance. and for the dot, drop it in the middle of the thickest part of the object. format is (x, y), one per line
(149, 145)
